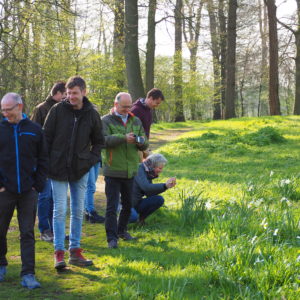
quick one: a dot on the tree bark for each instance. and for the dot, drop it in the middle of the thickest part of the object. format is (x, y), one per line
(231, 61)
(179, 115)
(132, 59)
(273, 59)
(118, 43)
(297, 38)
(216, 60)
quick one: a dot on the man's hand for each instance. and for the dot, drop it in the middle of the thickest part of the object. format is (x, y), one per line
(2, 189)
(130, 138)
(171, 182)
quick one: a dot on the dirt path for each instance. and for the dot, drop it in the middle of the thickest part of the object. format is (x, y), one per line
(157, 140)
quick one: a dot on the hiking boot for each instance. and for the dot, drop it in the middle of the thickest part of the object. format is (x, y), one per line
(47, 236)
(126, 236)
(77, 259)
(93, 217)
(2, 272)
(59, 259)
(113, 244)
(30, 282)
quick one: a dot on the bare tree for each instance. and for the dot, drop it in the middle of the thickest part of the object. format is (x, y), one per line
(273, 59)
(132, 59)
(231, 61)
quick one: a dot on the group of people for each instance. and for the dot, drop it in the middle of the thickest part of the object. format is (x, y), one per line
(60, 148)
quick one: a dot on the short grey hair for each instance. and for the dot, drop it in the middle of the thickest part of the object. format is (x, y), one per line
(119, 95)
(16, 97)
(156, 160)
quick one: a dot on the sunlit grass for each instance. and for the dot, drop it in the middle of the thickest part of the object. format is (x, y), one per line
(229, 230)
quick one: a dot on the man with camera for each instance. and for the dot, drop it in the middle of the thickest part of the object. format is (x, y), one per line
(124, 136)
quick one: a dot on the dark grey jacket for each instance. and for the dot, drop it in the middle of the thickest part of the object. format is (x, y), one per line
(143, 186)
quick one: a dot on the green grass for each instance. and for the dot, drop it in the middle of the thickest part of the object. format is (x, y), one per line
(229, 230)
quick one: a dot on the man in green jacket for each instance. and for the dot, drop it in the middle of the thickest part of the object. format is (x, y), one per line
(124, 136)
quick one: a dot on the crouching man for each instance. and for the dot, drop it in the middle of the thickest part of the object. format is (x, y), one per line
(146, 198)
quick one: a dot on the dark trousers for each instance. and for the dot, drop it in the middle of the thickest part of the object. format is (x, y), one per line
(113, 188)
(26, 209)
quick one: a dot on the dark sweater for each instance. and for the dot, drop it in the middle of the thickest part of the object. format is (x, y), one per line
(144, 113)
(143, 186)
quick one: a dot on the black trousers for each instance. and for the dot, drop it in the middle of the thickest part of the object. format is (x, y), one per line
(113, 188)
(26, 211)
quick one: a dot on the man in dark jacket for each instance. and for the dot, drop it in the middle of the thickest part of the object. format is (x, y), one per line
(73, 130)
(45, 200)
(23, 169)
(142, 108)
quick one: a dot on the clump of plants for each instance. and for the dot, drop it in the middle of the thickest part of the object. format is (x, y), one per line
(264, 136)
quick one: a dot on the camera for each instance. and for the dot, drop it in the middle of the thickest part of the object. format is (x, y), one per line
(139, 139)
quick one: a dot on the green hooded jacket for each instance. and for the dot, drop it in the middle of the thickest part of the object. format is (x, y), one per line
(121, 159)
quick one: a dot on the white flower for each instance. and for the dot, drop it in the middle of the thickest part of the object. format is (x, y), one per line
(275, 232)
(264, 223)
(208, 205)
(284, 182)
(253, 239)
(271, 173)
(250, 188)
(257, 261)
(283, 199)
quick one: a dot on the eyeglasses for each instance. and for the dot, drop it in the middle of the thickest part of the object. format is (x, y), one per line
(3, 110)
(125, 106)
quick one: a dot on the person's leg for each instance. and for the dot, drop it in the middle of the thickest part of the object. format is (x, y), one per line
(148, 205)
(91, 187)
(133, 216)
(45, 212)
(77, 191)
(7, 206)
(112, 190)
(26, 208)
(126, 201)
(60, 194)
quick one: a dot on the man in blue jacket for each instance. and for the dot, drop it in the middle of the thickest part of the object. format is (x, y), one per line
(23, 168)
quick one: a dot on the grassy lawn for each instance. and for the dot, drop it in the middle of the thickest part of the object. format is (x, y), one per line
(229, 230)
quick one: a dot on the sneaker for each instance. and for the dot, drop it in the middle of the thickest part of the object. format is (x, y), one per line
(126, 236)
(30, 282)
(93, 217)
(77, 259)
(47, 236)
(113, 244)
(2, 272)
(59, 262)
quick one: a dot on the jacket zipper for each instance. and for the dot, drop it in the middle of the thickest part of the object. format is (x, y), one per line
(17, 157)
(72, 143)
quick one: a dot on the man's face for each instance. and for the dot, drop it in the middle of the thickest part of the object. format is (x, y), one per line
(124, 105)
(153, 103)
(75, 96)
(11, 110)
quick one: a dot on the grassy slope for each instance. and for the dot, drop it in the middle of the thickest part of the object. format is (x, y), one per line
(226, 249)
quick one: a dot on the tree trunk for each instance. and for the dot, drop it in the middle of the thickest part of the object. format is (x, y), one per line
(132, 59)
(150, 52)
(179, 115)
(297, 38)
(118, 43)
(223, 37)
(230, 61)
(216, 60)
(273, 59)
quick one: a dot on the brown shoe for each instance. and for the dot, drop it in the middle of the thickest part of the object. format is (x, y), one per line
(77, 259)
(59, 262)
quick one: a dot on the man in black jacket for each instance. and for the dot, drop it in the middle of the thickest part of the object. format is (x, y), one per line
(45, 199)
(73, 131)
(23, 168)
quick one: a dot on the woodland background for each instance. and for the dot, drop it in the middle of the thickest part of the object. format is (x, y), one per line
(227, 58)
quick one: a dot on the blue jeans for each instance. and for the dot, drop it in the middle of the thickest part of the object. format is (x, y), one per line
(146, 207)
(60, 197)
(45, 208)
(91, 187)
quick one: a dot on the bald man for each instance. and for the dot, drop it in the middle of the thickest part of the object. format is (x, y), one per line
(124, 136)
(23, 168)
